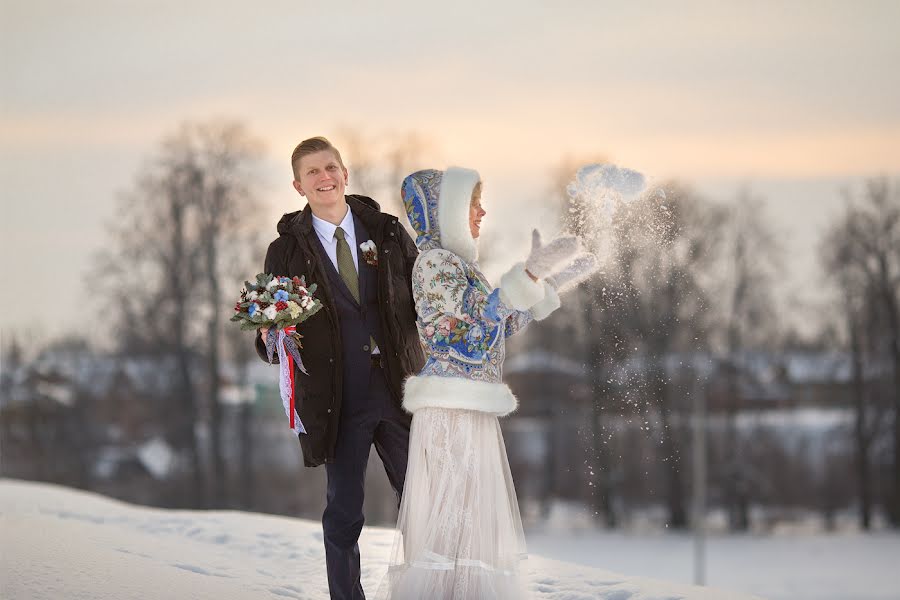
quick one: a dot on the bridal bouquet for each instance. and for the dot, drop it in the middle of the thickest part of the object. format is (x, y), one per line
(276, 303)
(280, 304)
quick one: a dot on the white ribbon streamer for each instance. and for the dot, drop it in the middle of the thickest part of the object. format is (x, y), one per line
(284, 381)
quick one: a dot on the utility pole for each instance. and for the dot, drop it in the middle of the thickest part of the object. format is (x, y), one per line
(699, 483)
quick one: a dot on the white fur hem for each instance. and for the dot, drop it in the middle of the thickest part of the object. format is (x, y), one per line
(423, 391)
(519, 290)
(454, 199)
(545, 307)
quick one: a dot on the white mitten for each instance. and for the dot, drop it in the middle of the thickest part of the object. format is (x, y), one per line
(574, 273)
(544, 260)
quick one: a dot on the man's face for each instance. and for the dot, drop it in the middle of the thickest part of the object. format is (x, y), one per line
(322, 179)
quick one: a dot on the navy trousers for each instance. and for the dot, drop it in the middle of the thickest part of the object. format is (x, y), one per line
(364, 421)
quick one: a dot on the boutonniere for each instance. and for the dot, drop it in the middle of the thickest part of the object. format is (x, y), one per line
(370, 253)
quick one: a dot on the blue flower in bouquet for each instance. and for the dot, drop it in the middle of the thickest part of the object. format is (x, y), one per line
(253, 309)
(281, 296)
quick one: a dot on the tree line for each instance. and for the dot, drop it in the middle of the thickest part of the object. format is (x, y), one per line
(683, 276)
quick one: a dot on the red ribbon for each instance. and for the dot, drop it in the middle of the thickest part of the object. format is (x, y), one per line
(288, 331)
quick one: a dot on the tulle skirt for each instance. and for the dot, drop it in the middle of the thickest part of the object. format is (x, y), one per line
(459, 530)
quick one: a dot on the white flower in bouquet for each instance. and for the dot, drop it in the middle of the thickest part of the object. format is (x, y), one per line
(272, 284)
(252, 295)
(270, 312)
(305, 301)
(294, 308)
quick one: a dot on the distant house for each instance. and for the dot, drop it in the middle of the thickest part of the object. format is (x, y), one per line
(40, 423)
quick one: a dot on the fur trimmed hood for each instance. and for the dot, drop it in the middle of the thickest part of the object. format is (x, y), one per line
(437, 204)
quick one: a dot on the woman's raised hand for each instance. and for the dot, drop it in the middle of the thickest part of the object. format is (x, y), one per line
(544, 260)
(574, 273)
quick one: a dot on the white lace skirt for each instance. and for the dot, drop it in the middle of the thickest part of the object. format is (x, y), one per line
(459, 530)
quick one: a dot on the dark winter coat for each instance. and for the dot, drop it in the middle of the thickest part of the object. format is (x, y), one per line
(319, 394)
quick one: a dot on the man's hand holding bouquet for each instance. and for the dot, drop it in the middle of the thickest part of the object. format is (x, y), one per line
(274, 306)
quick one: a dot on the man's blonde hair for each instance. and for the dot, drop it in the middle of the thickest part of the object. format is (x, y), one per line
(311, 146)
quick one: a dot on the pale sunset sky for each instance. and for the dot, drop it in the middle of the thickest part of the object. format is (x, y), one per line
(794, 99)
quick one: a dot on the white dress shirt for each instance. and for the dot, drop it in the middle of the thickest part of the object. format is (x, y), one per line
(325, 231)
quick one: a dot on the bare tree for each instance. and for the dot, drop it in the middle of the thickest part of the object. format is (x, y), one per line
(862, 251)
(222, 158)
(241, 354)
(649, 301)
(589, 328)
(666, 249)
(147, 273)
(165, 264)
(378, 163)
(851, 285)
(750, 265)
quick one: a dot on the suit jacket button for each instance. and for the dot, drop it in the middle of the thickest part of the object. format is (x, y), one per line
(329, 411)
(331, 360)
(366, 347)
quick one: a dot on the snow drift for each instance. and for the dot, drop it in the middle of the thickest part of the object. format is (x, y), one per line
(63, 543)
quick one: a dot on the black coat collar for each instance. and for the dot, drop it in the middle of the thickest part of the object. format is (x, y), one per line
(363, 207)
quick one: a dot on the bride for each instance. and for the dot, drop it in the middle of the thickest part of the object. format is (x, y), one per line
(459, 530)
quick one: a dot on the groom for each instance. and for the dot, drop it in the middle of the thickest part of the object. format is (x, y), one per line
(357, 350)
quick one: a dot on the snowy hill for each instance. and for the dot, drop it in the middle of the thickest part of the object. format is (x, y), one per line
(63, 543)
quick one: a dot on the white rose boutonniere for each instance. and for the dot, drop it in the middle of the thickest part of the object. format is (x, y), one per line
(370, 253)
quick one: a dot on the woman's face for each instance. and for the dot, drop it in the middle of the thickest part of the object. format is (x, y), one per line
(476, 212)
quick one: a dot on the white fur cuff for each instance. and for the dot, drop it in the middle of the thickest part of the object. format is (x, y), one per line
(450, 392)
(518, 290)
(545, 307)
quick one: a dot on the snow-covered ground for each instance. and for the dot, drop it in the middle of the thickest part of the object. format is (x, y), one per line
(777, 567)
(59, 543)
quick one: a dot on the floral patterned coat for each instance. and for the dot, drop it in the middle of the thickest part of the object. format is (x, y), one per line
(463, 322)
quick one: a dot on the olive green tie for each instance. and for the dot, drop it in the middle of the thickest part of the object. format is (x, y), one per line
(346, 268)
(347, 271)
